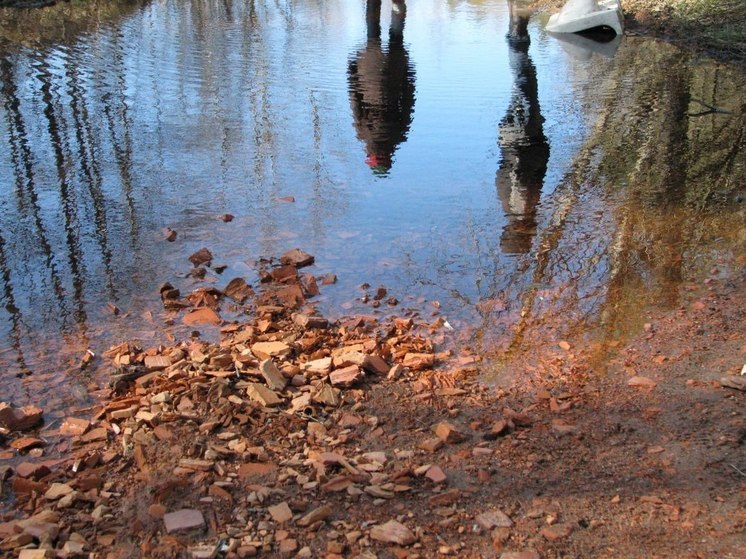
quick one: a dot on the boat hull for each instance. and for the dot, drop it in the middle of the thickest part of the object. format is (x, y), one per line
(583, 15)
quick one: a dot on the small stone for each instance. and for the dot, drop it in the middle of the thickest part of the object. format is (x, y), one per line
(375, 364)
(493, 519)
(395, 372)
(74, 426)
(20, 419)
(556, 532)
(226, 218)
(265, 350)
(310, 322)
(280, 513)
(737, 383)
(36, 554)
(419, 361)
(448, 433)
(57, 490)
(262, 394)
(204, 315)
(24, 444)
(641, 382)
(202, 256)
(255, 469)
(288, 546)
(436, 474)
(315, 515)
(183, 520)
(156, 510)
(563, 428)
(157, 362)
(318, 367)
(393, 532)
(246, 551)
(346, 377)
(520, 555)
(431, 445)
(272, 375)
(73, 548)
(203, 551)
(31, 470)
(296, 257)
(238, 290)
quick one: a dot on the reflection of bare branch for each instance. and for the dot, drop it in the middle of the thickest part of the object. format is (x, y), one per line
(710, 109)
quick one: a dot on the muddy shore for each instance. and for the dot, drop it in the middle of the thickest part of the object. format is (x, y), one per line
(376, 436)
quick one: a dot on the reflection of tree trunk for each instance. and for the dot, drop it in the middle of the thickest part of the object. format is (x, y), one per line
(16, 318)
(69, 210)
(22, 163)
(123, 151)
(91, 170)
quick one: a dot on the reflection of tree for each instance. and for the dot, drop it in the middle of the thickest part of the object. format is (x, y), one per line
(524, 147)
(382, 89)
(647, 205)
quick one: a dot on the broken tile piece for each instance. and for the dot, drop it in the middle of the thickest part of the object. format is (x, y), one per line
(183, 520)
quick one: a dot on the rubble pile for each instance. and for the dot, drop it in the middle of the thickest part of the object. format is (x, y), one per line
(258, 444)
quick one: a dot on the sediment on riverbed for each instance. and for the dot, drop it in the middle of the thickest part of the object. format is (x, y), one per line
(296, 436)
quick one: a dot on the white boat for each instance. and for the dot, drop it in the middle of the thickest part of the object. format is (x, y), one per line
(584, 15)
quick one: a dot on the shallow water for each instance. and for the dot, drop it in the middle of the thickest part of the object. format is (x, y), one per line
(538, 190)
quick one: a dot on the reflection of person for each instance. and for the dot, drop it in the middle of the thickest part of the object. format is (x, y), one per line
(524, 147)
(382, 88)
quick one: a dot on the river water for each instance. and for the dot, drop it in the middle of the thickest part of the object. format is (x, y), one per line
(538, 189)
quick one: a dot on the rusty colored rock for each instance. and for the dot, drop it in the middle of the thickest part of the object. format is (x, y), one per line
(23, 444)
(375, 364)
(31, 470)
(20, 419)
(320, 513)
(57, 490)
(204, 315)
(418, 361)
(280, 513)
(346, 377)
(157, 362)
(556, 531)
(444, 499)
(272, 375)
(296, 257)
(393, 532)
(493, 519)
(238, 290)
(251, 470)
(310, 322)
(641, 382)
(436, 474)
(262, 394)
(265, 350)
(183, 520)
(202, 256)
(448, 433)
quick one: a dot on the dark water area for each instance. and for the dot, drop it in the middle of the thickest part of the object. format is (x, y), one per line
(537, 188)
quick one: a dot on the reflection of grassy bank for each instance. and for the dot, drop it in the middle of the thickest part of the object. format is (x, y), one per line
(61, 21)
(716, 25)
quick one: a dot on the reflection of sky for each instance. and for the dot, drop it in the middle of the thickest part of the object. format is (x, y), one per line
(192, 111)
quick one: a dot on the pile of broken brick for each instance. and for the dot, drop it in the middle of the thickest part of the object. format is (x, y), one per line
(255, 445)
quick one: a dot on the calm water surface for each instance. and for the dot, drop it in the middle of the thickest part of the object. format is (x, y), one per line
(523, 183)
